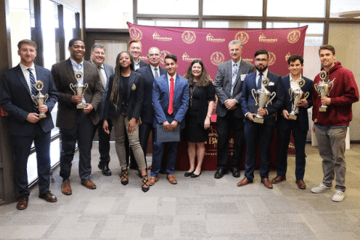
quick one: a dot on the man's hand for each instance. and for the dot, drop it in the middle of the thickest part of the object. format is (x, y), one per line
(230, 104)
(140, 122)
(166, 126)
(325, 101)
(33, 117)
(88, 108)
(42, 109)
(261, 112)
(76, 99)
(174, 125)
(286, 114)
(250, 116)
(106, 127)
(302, 103)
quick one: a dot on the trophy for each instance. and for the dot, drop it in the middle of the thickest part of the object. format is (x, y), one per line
(79, 88)
(295, 96)
(323, 88)
(262, 98)
(40, 99)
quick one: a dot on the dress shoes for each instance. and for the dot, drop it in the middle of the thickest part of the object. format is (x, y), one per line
(194, 175)
(22, 203)
(235, 172)
(267, 183)
(301, 184)
(153, 180)
(278, 179)
(88, 184)
(66, 188)
(48, 196)
(219, 173)
(189, 174)
(244, 182)
(171, 178)
(105, 170)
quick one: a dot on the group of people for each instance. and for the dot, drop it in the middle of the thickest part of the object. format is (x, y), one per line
(136, 98)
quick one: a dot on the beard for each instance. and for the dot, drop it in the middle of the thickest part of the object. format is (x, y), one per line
(261, 69)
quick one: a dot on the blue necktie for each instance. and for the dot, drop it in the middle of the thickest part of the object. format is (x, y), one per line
(32, 83)
(259, 81)
(156, 72)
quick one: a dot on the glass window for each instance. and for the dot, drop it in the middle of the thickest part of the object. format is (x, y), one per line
(69, 28)
(231, 24)
(233, 7)
(304, 8)
(113, 48)
(345, 9)
(175, 7)
(108, 13)
(169, 23)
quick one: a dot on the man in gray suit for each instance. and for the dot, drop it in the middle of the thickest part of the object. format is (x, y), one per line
(105, 71)
(76, 124)
(228, 87)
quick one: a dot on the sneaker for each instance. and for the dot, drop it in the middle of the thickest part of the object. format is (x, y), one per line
(338, 196)
(319, 189)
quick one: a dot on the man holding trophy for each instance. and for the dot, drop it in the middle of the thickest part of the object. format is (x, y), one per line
(262, 96)
(79, 87)
(27, 92)
(293, 117)
(334, 92)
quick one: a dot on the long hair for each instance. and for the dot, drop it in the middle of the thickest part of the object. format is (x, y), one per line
(114, 96)
(203, 79)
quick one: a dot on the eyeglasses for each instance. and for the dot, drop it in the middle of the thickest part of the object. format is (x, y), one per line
(260, 59)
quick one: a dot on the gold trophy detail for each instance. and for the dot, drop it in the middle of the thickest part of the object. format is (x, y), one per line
(295, 96)
(262, 98)
(323, 88)
(40, 99)
(79, 88)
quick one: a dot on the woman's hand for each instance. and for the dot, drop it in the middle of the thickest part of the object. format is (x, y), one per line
(132, 126)
(106, 127)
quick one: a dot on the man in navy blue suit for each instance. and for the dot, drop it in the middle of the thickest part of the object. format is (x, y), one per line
(257, 132)
(299, 126)
(170, 112)
(17, 87)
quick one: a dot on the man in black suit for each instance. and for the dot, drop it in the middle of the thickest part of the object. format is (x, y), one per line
(16, 93)
(149, 73)
(76, 124)
(105, 71)
(228, 87)
(299, 126)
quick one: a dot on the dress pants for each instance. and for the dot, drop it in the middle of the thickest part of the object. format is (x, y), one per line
(157, 153)
(254, 133)
(224, 125)
(104, 143)
(83, 133)
(22, 147)
(299, 141)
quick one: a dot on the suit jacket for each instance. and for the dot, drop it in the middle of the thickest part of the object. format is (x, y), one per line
(248, 103)
(15, 99)
(302, 117)
(109, 70)
(160, 100)
(143, 64)
(135, 96)
(63, 74)
(223, 82)
(147, 111)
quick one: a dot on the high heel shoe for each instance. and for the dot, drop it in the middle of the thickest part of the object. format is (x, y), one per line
(188, 174)
(145, 184)
(124, 176)
(195, 175)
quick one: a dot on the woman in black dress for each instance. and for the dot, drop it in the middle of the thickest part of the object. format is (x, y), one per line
(198, 117)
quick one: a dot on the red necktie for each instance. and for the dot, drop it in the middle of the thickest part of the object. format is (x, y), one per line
(171, 96)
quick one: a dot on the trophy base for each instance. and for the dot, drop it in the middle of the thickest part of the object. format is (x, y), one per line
(42, 115)
(81, 106)
(322, 109)
(292, 117)
(259, 120)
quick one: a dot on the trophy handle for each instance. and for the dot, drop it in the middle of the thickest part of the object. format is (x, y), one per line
(316, 87)
(331, 85)
(34, 99)
(290, 94)
(273, 95)
(253, 92)
(72, 87)
(46, 97)
(306, 95)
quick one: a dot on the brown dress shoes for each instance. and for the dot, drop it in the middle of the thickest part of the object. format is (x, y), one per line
(171, 178)
(278, 179)
(22, 203)
(244, 182)
(153, 180)
(88, 184)
(48, 196)
(267, 183)
(66, 188)
(301, 184)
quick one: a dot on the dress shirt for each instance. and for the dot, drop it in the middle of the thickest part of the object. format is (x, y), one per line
(79, 67)
(137, 65)
(152, 70)
(294, 83)
(264, 74)
(102, 70)
(26, 73)
(174, 77)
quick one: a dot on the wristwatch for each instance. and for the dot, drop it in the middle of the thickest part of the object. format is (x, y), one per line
(208, 115)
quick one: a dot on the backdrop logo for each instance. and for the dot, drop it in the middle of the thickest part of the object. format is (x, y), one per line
(242, 36)
(163, 54)
(272, 58)
(156, 36)
(217, 58)
(287, 56)
(188, 37)
(263, 38)
(135, 33)
(293, 36)
(210, 38)
(186, 57)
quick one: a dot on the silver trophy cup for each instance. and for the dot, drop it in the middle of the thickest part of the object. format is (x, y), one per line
(79, 89)
(295, 96)
(323, 89)
(40, 99)
(262, 99)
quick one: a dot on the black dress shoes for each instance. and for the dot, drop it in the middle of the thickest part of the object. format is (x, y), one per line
(194, 175)
(235, 172)
(219, 173)
(105, 170)
(188, 174)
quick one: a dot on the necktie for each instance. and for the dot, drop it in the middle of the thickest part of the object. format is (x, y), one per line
(171, 96)
(102, 77)
(156, 72)
(259, 81)
(234, 74)
(32, 83)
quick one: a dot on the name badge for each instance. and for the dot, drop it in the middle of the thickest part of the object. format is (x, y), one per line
(242, 76)
(271, 84)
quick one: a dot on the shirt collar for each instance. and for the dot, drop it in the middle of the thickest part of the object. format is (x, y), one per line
(238, 63)
(23, 67)
(75, 63)
(292, 79)
(265, 73)
(174, 77)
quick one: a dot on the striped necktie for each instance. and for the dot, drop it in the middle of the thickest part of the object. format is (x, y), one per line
(32, 83)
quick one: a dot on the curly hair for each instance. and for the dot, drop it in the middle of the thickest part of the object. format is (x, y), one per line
(203, 79)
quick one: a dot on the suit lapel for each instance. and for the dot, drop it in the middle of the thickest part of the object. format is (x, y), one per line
(22, 79)
(39, 74)
(70, 71)
(149, 73)
(287, 83)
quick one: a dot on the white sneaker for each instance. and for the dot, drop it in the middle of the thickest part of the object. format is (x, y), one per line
(338, 196)
(319, 189)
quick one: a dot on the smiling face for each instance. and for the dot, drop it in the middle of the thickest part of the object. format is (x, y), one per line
(154, 56)
(98, 56)
(135, 50)
(124, 60)
(196, 70)
(170, 66)
(327, 59)
(261, 62)
(77, 51)
(27, 54)
(295, 68)
(235, 52)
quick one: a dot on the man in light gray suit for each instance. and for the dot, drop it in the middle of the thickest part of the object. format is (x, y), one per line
(105, 71)
(228, 87)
